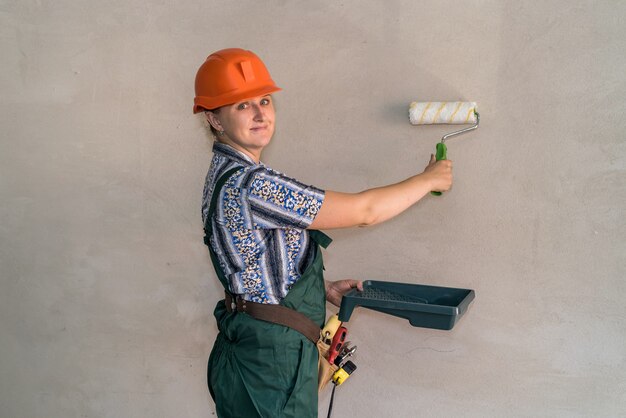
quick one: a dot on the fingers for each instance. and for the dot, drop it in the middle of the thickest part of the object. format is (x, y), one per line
(355, 284)
(335, 290)
(441, 173)
(440, 163)
(345, 285)
(445, 166)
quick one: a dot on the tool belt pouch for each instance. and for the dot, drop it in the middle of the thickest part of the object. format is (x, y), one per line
(325, 370)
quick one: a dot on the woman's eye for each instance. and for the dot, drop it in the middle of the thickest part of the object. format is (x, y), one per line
(265, 102)
(242, 106)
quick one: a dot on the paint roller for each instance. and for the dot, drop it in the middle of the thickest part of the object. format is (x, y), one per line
(452, 113)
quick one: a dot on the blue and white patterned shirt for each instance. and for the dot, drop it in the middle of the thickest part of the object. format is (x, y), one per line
(259, 226)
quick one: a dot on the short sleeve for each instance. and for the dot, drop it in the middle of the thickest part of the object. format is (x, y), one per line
(275, 201)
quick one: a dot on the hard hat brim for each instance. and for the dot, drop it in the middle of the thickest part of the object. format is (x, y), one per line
(202, 103)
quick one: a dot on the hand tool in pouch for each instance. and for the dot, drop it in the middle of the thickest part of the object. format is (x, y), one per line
(343, 373)
(337, 344)
(339, 377)
(329, 330)
(429, 113)
(326, 369)
(345, 353)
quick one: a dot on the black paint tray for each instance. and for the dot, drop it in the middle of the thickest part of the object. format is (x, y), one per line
(424, 306)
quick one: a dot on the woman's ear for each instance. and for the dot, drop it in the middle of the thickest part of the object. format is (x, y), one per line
(211, 117)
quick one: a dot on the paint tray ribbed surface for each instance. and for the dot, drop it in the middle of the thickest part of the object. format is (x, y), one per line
(424, 306)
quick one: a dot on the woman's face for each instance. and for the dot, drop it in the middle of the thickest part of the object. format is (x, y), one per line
(248, 125)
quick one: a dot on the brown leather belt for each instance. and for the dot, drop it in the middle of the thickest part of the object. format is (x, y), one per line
(276, 314)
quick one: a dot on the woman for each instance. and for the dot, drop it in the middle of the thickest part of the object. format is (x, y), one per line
(262, 229)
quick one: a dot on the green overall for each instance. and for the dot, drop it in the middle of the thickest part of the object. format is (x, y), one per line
(261, 369)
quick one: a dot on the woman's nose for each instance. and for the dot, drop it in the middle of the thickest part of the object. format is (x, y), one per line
(258, 112)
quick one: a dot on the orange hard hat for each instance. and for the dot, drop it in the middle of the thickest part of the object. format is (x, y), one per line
(229, 76)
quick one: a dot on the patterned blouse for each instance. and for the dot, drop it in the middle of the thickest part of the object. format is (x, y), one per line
(259, 226)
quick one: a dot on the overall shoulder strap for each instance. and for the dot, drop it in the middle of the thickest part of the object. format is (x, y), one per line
(320, 238)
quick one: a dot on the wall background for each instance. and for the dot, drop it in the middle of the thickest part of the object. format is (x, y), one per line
(106, 287)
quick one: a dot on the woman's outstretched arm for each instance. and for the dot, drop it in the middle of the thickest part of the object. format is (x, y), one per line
(373, 206)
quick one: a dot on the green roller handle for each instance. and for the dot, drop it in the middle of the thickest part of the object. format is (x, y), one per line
(442, 154)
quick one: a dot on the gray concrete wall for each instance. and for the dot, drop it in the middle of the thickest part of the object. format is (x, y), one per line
(107, 289)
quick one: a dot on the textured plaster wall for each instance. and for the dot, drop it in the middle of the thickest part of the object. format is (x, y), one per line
(106, 289)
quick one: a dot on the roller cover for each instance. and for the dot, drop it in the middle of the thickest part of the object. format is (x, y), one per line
(427, 113)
